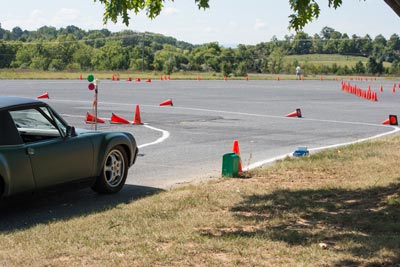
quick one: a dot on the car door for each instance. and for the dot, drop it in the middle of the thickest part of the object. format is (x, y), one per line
(59, 160)
(55, 158)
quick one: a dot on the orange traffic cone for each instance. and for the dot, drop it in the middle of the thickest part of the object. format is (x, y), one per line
(92, 119)
(167, 102)
(113, 77)
(198, 77)
(118, 119)
(169, 77)
(235, 149)
(278, 78)
(247, 77)
(129, 79)
(138, 80)
(80, 77)
(374, 97)
(369, 95)
(137, 119)
(381, 88)
(148, 80)
(386, 121)
(394, 88)
(45, 95)
(296, 113)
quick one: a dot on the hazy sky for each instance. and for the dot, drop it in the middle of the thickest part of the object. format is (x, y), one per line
(226, 22)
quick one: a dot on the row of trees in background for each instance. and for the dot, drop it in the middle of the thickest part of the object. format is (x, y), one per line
(72, 48)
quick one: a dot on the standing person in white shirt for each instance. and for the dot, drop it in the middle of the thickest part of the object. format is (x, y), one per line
(298, 72)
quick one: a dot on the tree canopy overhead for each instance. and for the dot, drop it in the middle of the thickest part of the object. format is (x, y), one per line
(304, 11)
(121, 8)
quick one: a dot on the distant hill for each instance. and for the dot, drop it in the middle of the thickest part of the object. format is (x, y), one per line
(72, 48)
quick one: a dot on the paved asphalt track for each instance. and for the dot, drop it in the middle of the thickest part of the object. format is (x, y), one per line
(208, 115)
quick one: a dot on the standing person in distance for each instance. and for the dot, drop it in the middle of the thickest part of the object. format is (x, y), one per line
(298, 73)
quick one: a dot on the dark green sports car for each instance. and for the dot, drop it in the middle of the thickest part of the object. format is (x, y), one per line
(38, 150)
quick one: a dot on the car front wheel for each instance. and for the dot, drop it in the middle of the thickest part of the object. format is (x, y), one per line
(114, 172)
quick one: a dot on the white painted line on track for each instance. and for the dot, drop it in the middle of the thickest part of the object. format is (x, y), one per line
(235, 113)
(277, 117)
(271, 160)
(165, 134)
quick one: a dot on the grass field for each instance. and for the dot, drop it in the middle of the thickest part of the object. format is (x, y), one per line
(328, 60)
(339, 207)
(66, 75)
(315, 59)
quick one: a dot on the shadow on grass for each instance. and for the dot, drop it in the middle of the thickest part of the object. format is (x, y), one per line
(361, 223)
(27, 211)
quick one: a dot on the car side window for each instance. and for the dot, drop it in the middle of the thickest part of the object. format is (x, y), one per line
(35, 124)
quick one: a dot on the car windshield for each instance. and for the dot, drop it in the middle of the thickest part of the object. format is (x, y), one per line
(38, 118)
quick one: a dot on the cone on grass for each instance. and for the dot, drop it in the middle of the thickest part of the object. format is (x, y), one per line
(90, 118)
(236, 150)
(167, 102)
(296, 113)
(118, 120)
(137, 119)
(43, 96)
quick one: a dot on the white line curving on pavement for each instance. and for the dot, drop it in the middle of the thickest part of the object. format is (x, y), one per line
(271, 160)
(165, 134)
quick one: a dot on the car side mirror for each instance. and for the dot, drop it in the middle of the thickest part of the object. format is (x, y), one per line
(70, 131)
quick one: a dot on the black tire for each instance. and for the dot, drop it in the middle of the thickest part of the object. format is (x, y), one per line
(113, 173)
